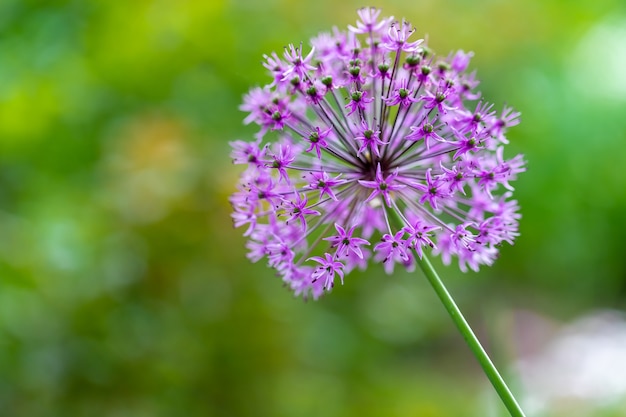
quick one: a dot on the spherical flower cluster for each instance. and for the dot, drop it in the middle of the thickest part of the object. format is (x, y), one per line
(381, 149)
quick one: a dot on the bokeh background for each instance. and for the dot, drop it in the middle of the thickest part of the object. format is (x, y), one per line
(125, 291)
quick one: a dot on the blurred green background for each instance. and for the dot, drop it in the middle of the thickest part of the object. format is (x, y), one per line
(125, 291)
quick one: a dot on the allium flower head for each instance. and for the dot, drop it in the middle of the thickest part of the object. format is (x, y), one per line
(379, 149)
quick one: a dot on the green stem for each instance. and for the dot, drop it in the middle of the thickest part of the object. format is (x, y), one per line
(471, 339)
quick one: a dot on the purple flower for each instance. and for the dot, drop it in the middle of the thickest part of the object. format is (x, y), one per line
(460, 61)
(344, 242)
(467, 144)
(433, 190)
(418, 235)
(397, 37)
(321, 181)
(298, 210)
(247, 153)
(424, 131)
(327, 270)
(379, 150)
(316, 140)
(275, 66)
(282, 159)
(393, 249)
(279, 254)
(473, 121)
(358, 101)
(368, 22)
(438, 99)
(298, 65)
(402, 94)
(455, 177)
(508, 119)
(382, 185)
(369, 138)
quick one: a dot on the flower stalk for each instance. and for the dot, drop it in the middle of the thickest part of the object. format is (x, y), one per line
(472, 341)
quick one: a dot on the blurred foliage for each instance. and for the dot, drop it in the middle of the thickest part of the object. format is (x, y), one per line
(124, 290)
